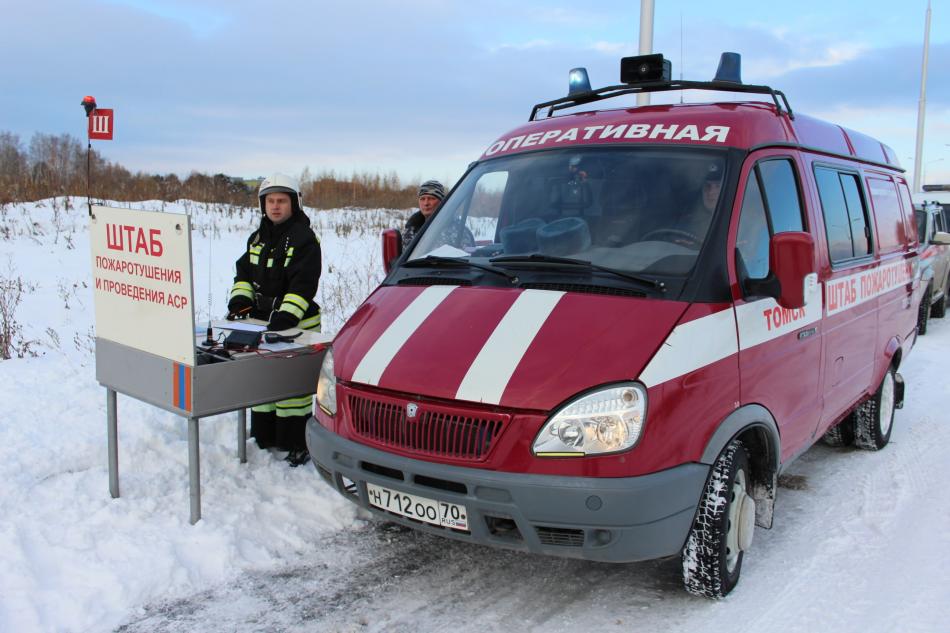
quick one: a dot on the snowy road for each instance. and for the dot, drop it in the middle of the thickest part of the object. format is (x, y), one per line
(860, 543)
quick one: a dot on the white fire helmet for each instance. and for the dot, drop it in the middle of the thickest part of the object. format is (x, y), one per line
(281, 183)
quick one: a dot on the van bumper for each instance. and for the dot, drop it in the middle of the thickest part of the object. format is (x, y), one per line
(603, 519)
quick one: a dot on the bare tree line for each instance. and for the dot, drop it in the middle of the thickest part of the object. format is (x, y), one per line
(55, 165)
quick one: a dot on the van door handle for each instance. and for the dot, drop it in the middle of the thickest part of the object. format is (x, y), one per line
(807, 333)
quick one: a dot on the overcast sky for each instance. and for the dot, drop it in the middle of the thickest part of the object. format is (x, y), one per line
(422, 87)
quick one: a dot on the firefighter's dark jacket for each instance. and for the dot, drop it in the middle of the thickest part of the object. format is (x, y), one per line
(280, 270)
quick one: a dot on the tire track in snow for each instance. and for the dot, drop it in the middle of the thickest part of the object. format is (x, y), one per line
(382, 578)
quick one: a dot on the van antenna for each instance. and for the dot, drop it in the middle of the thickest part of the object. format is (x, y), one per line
(682, 52)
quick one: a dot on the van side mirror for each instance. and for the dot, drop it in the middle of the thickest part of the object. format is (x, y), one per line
(791, 259)
(392, 248)
(941, 238)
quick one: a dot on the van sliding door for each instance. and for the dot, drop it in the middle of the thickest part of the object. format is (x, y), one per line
(850, 313)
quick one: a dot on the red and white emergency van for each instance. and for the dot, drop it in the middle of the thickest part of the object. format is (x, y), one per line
(623, 324)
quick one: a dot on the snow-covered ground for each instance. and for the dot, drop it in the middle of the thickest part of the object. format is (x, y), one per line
(861, 540)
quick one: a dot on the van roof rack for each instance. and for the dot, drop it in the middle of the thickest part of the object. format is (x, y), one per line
(651, 73)
(610, 92)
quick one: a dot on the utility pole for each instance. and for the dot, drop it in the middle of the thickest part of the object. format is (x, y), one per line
(646, 41)
(922, 106)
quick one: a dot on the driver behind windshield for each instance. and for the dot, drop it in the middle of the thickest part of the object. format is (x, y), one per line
(572, 195)
(696, 221)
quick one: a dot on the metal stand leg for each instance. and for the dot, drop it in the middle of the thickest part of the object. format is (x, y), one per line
(242, 435)
(113, 442)
(194, 470)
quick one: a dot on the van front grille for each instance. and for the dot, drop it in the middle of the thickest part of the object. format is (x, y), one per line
(431, 431)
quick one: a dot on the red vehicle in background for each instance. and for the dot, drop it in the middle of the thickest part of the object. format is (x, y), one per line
(664, 307)
(934, 263)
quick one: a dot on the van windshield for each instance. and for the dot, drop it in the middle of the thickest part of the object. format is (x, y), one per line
(637, 210)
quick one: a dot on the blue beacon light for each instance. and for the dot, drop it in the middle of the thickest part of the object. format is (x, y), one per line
(578, 82)
(730, 69)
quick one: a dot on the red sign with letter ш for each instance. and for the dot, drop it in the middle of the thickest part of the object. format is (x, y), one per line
(101, 125)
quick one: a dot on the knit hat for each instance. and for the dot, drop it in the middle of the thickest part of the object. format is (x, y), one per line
(432, 188)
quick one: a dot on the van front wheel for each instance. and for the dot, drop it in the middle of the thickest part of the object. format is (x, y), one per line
(874, 419)
(723, 527)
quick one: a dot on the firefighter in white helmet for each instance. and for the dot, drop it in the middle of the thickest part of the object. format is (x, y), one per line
(276, 281)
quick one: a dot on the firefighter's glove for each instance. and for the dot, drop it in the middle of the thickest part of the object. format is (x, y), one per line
(281, 320)
(239, 308)
(264, 304)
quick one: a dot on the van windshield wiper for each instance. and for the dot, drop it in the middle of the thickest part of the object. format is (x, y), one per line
(436, 261)
(538, 258)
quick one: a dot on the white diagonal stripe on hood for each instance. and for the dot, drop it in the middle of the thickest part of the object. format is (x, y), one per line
(377, 359)
(489, 374)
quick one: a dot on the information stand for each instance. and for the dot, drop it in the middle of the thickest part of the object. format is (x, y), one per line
(195, 392)
(146, 346)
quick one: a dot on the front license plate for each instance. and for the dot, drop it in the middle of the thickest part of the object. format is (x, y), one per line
(442, 513)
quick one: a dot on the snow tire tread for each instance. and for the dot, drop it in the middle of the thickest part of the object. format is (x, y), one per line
(867, 423)
(841, 434)
(703, 555)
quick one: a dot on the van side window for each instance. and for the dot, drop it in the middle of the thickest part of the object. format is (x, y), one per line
(922, 236)
(860, 231)
(908, 206)
(887, 212)
(752, 237)
(846, 223)
(769, 208)
(781, 195)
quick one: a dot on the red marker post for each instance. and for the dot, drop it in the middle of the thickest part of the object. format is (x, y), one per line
(101, 125)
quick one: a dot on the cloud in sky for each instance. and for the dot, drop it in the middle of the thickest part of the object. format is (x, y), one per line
(202, 20)
(418, 86)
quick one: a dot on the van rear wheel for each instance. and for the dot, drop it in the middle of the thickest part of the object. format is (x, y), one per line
(722, 528)
(874, 418)
(939, 309)
(841, 434)
(923, 313)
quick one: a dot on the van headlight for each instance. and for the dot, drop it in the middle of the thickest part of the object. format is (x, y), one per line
(326, 385)
(605, 421)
